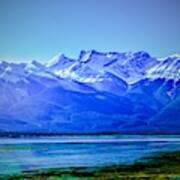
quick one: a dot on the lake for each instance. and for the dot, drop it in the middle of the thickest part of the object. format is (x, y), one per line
(34, 153)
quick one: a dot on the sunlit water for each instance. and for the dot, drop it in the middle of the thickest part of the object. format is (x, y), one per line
(25, 154)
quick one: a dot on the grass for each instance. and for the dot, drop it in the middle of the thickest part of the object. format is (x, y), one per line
(163, 166)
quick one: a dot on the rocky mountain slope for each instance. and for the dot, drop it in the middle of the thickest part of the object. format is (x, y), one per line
(98, 92)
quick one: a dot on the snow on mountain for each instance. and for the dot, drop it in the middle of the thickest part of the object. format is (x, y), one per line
(109, 83)
(98, 92)
(131, 67)
(33, 66)
(93, 68)
(168, 68)
(37, 69)
(59, 62)
(92, 65)
(12, 72)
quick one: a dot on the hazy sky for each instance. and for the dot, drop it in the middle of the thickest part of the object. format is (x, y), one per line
(39, 29)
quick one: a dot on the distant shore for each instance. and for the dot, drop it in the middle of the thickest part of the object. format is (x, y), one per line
(161, 166)
(35, 134)
(87, 140)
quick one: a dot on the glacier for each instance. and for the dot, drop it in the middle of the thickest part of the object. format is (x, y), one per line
(111, 92)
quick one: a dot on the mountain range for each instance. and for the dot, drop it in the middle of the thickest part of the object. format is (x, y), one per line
(95, 93)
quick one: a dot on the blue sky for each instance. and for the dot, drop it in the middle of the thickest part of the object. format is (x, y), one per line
(39, 29)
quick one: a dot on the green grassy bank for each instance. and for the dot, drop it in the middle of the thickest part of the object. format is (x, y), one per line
(161, 167)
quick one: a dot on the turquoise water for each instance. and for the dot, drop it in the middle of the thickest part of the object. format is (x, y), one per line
(25, 154)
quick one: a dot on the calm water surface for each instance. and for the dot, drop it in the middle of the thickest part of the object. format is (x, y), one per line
(24, 154)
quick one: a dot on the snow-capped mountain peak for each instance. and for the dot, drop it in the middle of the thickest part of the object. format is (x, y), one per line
(168, 68)
(12, 72)
(130, 67)
(55, 60)
(87, 55)
(33, 65)
(91, 66)
(59, 62)
(176, 56)
(98, 92)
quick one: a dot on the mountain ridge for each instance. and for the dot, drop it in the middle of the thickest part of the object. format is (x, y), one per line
(98, 92)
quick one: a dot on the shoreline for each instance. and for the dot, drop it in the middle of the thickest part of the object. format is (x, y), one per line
(160, 166)
(35, 134)
(90, 140)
